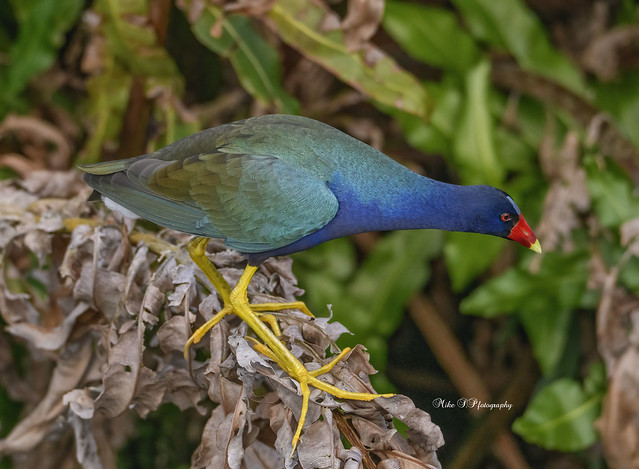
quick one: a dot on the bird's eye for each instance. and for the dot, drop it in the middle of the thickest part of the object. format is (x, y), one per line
(506, 217)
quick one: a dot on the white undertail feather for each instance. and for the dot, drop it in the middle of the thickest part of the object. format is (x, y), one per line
(114, 206)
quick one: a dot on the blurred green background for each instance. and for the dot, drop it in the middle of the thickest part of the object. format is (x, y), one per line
(540, 98)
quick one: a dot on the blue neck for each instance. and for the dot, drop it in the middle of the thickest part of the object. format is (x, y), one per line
(411, 201)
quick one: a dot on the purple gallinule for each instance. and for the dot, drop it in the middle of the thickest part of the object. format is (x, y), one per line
(278, 184)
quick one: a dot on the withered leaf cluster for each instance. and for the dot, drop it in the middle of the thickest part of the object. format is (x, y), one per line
(97, 315)
(618, 344)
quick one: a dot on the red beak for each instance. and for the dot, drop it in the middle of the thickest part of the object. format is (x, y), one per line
(522, 233)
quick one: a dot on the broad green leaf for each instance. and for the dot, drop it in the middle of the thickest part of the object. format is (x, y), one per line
(369, 301)
(561, 417)
(255, 60)
(468, 255)
(432, 35)
(515, 154)
(474, 146)
(302, 25)
(323, 271)
(513, 26)
(374, 300)
(42, 25)
(436, 135)
(548, 332)
(613, 195)
(422, 135)
(543, 301)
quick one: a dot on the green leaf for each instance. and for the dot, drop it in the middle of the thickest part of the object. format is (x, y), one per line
(474, 146)
(254, 59)
(543, 301)
(621, 100)
(468, 255)
(373, 302)
(561, 417)
(432, 35)
(302, 25)
(548, 334)
(133, 43)
(596, 382)
(108, 96)
(612, 193)
(131, 48)
(513, 26)
(42, 25)
(436, 135)
(323, 271)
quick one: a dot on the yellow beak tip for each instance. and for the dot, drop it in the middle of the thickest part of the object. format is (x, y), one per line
(536, 246)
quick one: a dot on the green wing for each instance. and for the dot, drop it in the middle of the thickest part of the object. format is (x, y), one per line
(255, 202)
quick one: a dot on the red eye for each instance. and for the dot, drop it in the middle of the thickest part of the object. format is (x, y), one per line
(506, 217)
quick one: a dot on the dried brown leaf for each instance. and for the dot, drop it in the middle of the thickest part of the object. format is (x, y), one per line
(149, 392)
(42, 142)
(235, 446)
(39, 243)
(54, 184)
(120, 376)
(568, 195)
(140, 366)
(211, 453)
(618, 422)
(102, 288)
(422, 432)
(181, 390)
(48, 338)
(262, 456)
(362, 21)
(31, 430)
(80, 403)
(629, 232)
(319, 448)
(173, 334)
(16, 308)
(86, 447)
(605, 54)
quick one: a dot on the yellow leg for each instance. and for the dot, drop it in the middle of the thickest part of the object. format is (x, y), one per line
(204, 328)
(236, 301)
(280, 306)
(197, 250)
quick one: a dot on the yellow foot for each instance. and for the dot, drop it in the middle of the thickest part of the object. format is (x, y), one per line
(305, 377)
(236, 301)
(204, 328)
(269, 319)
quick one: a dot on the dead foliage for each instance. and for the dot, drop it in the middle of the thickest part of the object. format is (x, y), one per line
(618, 345)
(567, 199)
(102, 313)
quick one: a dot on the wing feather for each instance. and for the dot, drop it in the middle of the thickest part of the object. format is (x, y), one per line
(243, 182)
(255, 202)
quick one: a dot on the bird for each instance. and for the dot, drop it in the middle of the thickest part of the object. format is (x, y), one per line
(277, 184)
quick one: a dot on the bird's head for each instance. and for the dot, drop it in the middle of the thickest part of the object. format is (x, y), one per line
(499, 215)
